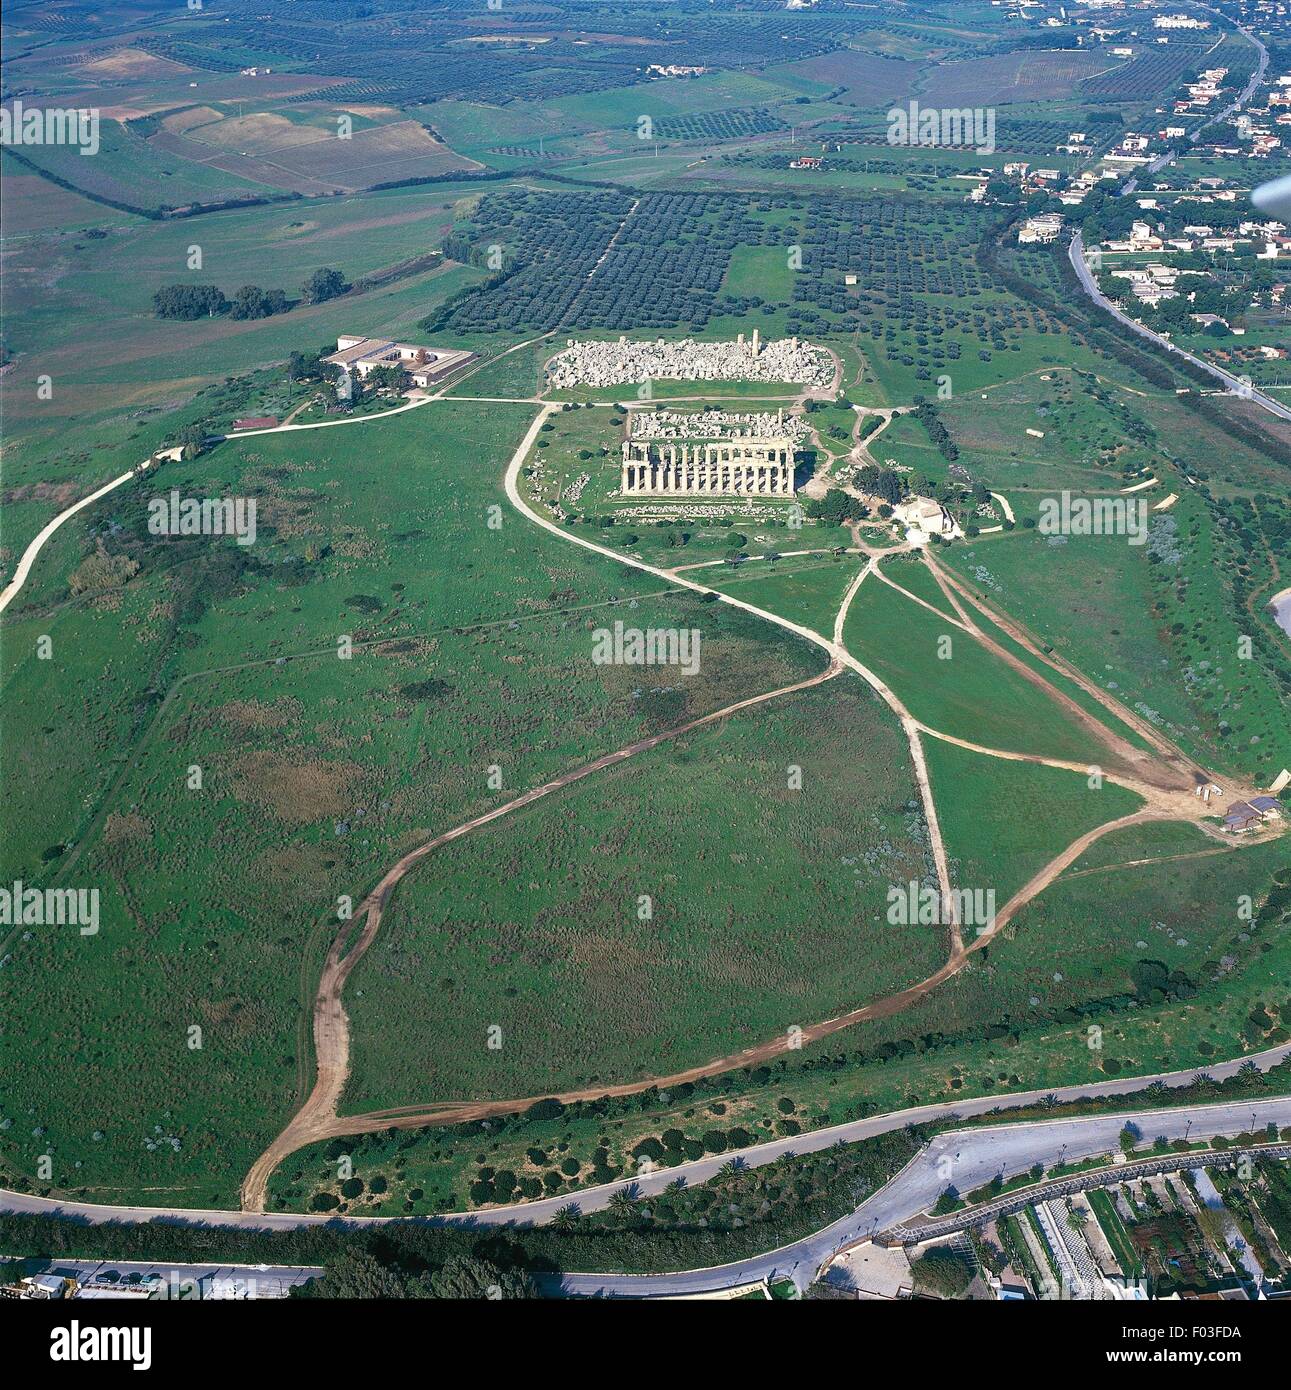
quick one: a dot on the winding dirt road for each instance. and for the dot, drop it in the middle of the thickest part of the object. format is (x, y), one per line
(1167, 796)
(316, 1119)
(1164, 777)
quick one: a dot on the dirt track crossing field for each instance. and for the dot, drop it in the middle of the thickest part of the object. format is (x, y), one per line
(1164, 779)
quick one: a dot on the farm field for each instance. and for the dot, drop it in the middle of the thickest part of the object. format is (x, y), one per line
(34, 205)
(1010, 77)
(289, 244)
(304, 151)
(128, 170)
(867, 79)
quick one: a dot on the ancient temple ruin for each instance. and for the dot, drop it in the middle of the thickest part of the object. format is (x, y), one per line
(724, 468)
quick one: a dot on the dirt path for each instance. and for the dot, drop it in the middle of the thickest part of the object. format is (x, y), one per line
(456, 1112)
(1170, 769)
(1157, 859)
(861, 448)
(911, 729)
(1168, 751)
(315, 1119)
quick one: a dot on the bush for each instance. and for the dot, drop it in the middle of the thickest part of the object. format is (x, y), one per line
(189, 301)
(322, 285)
(943, 1272)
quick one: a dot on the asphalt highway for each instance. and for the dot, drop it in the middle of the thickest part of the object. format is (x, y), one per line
(649, 1184)
(1077, 257)
(964, 1158)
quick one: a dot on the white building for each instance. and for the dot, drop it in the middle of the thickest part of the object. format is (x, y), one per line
(423, 364)
(1043, 229)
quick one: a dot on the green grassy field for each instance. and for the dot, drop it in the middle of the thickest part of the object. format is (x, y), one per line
(533, 925)
(1112, 610)
(967, 692)
(1003, 821)
(234, 670)
(130, 661)
(113, 419)
(1012, 1022)
(806, 589)
(127, 169)
(761, 270)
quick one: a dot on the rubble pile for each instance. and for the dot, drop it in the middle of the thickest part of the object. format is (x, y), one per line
(623, 362)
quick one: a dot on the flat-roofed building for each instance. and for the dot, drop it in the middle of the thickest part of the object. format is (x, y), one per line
(424, 365)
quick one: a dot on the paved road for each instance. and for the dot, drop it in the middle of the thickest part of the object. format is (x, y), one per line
(970, 1158)
(1076, 254)
(1076, 250)
(596, 1198)
(1230, 110)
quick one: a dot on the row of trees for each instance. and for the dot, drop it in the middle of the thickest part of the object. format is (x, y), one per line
(183, 301)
